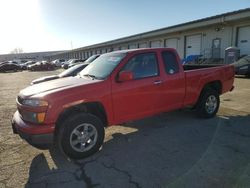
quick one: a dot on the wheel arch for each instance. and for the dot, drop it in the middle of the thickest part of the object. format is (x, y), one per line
(94, 108)
(215, 85)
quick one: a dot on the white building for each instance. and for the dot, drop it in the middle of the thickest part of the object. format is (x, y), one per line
(208, 37)
(36, 56)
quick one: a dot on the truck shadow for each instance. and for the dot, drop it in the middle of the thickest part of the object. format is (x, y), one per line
(161, 151)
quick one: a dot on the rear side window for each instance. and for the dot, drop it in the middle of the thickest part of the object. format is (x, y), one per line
(170, 62)
(143, 65)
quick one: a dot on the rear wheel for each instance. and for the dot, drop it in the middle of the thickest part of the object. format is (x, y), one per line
(81, 136)
(208, 103)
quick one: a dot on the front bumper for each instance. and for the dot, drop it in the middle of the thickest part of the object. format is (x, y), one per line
(33, 134)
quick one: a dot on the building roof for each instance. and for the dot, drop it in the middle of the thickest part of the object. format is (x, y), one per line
(212, 20)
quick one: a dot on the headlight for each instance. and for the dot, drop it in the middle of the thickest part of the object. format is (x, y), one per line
(33, 116)
(35, 102)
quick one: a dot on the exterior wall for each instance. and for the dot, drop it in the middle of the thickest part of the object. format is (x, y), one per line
(224, 28)
(37, 56)
(235, 31)
(142, 44)
(224, 34)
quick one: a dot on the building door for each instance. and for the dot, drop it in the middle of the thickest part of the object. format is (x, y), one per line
(132, 46)
(244, 40)
(124, 48)
(155, 44)
(116, 48)
(216, 48)
(193, 45)
(143, 45)
(103, 51)
(171, 43)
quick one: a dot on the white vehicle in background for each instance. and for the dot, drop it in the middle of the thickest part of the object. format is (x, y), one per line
(25, 65)
(58, 62)
(89, 60)
(18, 61)
(70, 61)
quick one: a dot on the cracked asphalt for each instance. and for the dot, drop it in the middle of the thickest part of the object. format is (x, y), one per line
(174, 149)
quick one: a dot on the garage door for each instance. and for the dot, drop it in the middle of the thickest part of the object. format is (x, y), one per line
(116, 48)
(155, 44)
(132, 46)
(171, 43)
(86, 54)
(143, 45)
(124, 48)
(193, 45)
(244, 40)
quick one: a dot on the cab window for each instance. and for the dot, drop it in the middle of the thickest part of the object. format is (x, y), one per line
(170, 62)
(143, 66)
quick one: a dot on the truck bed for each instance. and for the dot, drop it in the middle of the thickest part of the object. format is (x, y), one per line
(193, 67)
(197, 76)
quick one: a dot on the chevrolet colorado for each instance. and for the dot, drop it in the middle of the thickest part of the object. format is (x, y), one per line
(117, 87)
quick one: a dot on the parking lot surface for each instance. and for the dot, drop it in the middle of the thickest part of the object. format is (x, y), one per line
(174, 149)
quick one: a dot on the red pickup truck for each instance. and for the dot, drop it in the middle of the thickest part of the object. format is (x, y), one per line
(115, 88)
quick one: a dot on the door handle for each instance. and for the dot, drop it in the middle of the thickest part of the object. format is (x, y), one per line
(157, 82)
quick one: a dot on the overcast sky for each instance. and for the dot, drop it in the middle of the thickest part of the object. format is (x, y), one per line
(45, 25)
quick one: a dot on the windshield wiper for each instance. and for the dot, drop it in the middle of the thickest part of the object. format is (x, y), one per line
(91, 76)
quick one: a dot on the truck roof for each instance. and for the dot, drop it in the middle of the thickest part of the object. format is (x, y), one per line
(141, 49)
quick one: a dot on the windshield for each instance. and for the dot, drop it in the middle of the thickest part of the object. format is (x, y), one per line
(103, 65)
(243, 61)
(92, 58)
(70, 61)
(70, 70)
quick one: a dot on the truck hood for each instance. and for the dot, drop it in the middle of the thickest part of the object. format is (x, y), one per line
(62, 83)
(45, 78)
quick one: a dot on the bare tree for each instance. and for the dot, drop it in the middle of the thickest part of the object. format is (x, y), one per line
(17, 51)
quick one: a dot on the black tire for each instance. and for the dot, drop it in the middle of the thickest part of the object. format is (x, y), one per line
(203, 108)
(67, 132)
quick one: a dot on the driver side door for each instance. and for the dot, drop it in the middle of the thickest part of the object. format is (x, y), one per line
(136, 98)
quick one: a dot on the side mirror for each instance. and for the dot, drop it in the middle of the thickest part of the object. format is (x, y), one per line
(125, 76)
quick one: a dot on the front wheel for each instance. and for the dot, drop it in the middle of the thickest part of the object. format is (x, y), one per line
(208, 103)
(81, 136)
